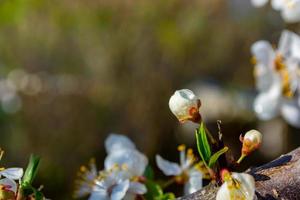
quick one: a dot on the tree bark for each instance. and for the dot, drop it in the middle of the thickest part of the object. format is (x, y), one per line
(276, 180)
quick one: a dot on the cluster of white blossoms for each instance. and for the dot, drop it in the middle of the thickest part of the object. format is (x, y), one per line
(122, 177)
(277, 74)
(236, 186)
(289, 9)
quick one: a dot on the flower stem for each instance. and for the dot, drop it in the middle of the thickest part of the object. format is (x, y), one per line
(241, 158)
(168, 183)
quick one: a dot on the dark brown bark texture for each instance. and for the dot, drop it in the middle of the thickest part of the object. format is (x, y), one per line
(276, 180)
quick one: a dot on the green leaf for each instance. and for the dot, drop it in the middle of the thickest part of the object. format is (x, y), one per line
(167, 196)
(215, 157)
(31, 170)
(154, 190)
(202, 143)
(149, 173)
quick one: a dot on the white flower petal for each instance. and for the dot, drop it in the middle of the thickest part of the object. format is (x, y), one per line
(247, 184)
(195, 182)
(263, 52)
(119, 191)
(267, 104)
(116, 142)
(259, 3)
(290, 111)
(11, 183)
(99, 195)
(278, 4)
(263, 70)
(289, 45)
(12, 173)
(135, 161)
(291, 11)
(137, 188)
(224, 193)
(167, 167)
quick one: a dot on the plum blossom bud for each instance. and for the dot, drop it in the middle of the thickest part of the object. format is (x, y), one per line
(185, 106)
(251, 141)
(236, 186)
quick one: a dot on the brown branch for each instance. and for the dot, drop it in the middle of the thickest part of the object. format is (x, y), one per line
(278, 179)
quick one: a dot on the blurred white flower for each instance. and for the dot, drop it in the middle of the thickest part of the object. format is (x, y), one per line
(277, 75)
(236, 186)
(187, 172)
(185, 105)
(121, 178)
(289, 9)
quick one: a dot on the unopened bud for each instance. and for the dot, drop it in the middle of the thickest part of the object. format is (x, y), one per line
(185, 106)
(251, 141)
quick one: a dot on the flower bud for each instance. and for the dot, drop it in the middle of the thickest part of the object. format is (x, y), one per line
(236, 186)
(251, 141)
(185, 106)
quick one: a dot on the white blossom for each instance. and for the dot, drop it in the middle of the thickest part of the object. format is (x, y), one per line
(237, 186)
(124, 167)
(277, 75)
(187, 171)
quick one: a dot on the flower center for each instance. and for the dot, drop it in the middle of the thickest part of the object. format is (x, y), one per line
(281, 68)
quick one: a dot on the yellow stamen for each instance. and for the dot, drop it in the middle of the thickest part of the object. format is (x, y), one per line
(135, 179)
(281, 68)
(83, 168)
(190, 152)
(253, 60)
(181, 147)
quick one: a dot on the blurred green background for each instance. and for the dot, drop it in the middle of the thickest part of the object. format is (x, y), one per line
(72, 71)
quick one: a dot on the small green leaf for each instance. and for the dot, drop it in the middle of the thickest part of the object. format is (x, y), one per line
(149, 173)
(167, 196)
(154, 190)
(31, 170)
(205, 141)
(215, 157)
(203, 144)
